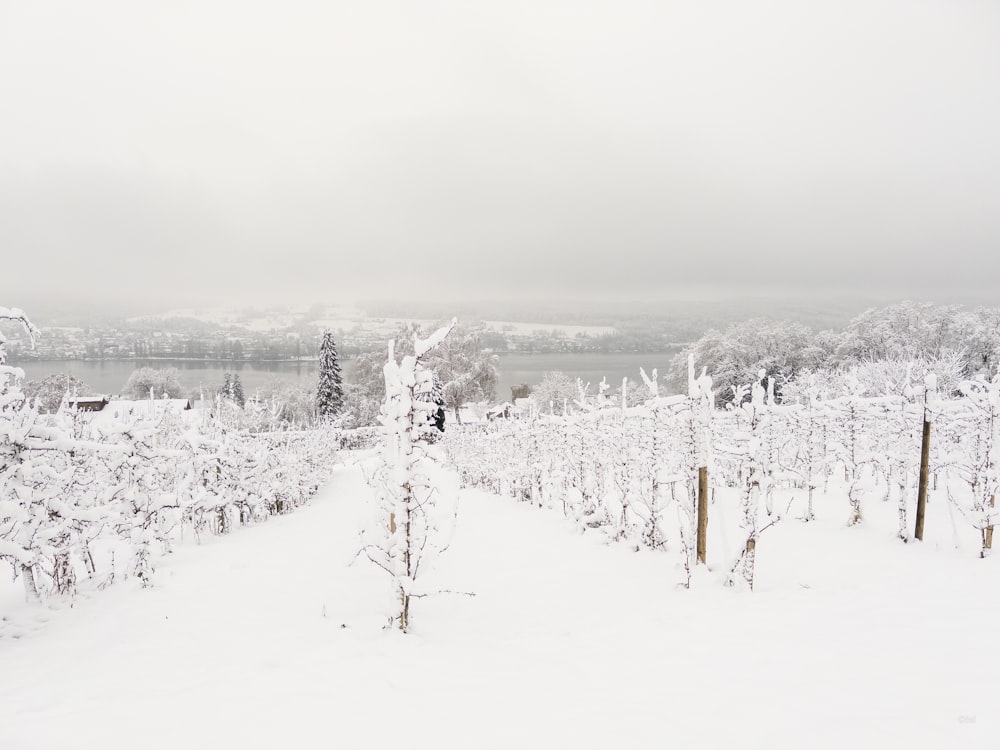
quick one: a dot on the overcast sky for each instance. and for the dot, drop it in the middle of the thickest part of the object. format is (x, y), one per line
(171, 152)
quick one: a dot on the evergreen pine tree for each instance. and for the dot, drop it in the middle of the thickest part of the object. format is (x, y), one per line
(330, 391)
(226, 391)
(433, 393)
(437, 395)
(236, 391)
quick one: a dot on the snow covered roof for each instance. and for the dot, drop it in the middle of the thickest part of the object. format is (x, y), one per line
(88, 403)
(124, 409)
(499, 407)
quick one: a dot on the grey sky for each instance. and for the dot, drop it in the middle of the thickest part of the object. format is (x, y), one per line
(169, 152)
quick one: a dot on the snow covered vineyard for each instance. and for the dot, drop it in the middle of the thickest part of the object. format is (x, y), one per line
(633, 473)
(271, 637)
(809, 622)
(87, 502)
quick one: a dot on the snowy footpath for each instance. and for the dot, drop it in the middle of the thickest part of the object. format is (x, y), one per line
(271, 638)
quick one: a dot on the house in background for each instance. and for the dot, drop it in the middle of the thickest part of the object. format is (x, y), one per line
(519, 391)
(105, 410)
(86, 403)
(125, 410)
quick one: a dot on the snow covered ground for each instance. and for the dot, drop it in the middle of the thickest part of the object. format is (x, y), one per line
(270, 638)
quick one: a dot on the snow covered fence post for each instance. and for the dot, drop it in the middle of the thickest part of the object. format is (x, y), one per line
(407, 489)
(702, 513)
(930, 384)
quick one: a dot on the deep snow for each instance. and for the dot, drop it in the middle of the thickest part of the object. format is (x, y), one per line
(270, 637)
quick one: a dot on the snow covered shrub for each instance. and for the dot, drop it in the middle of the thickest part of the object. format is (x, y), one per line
(873, 378)
(970, 431)
(756, 436)
(49, 509)
(22, 476)
(410, 484)
(805, 430)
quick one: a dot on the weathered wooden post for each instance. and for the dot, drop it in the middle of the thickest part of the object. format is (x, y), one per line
(988, 531)
(702, 513)
(925, 458)
(701, 401)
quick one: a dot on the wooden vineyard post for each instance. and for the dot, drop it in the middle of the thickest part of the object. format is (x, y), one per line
(988, 531)
(925, 455)
(751, 552)
(702, 513)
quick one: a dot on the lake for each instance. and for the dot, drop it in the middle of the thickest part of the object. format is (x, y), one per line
(109, 376)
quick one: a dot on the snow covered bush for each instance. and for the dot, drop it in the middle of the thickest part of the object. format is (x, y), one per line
(756, 442)
(970, 432)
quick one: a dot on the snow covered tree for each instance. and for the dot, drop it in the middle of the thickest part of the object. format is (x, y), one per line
(163, 382)
(983, 343)
(330, 391)
(285, 405)
(905, 331)
(467, 371)
(466, 368)
(232, 389)
(237, 391)
(555, 393)
(409, 487)
(364, 393)
(433, 393)
(50, 391)
(780, 347)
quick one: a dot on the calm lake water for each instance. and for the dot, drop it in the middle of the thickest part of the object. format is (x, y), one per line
(109, 376)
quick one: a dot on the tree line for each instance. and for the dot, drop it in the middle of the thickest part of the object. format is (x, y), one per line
(880, 343)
